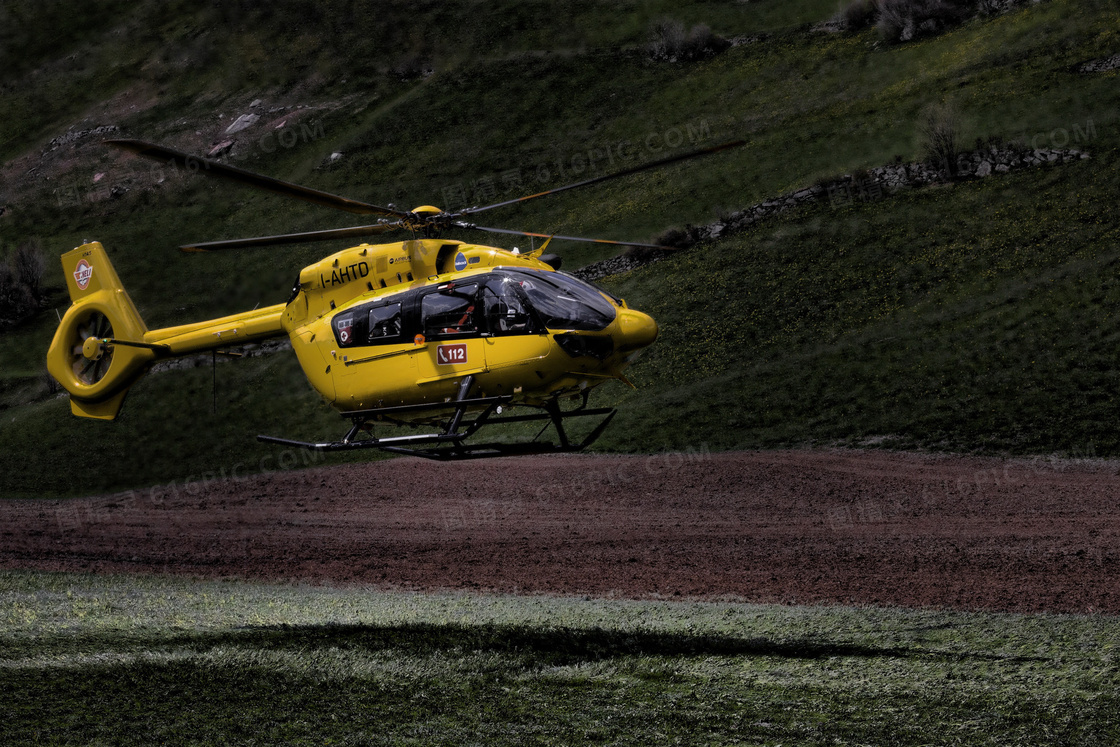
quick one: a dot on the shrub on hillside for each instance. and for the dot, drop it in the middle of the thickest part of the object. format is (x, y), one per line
(29, 265)
(14, 298)
(666, 39)
(940, 135)
(677, 238)
(669, 41)
(991, 7)
(50, 383)
(702, 42)
(21, 282)
(903, 20)
(858, 14)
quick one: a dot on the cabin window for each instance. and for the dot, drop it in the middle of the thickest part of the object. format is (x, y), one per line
(384, 324)
(349, 328)
(378, 324)
(450, 312)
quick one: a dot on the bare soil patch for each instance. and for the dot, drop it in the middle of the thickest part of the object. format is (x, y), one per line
(833, 526)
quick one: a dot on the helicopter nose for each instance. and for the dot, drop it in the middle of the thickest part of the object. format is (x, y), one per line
(637, 330)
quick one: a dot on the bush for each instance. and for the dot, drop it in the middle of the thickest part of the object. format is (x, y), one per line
(903, 20)
(411, 66)
(21, 282)
(858, 14)
(51, 384)
(668, 41)
(14, 297)
(939, 131)
(677, 238)
(29, 266)
(702, 42)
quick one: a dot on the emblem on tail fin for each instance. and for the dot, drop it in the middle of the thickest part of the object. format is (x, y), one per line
(82, 274)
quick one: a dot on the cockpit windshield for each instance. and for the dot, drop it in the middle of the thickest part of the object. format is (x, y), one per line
(562, 301)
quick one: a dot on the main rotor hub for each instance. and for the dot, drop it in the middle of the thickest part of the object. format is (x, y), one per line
(427, 220)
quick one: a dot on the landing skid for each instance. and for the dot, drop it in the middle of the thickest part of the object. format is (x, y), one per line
(449, 443)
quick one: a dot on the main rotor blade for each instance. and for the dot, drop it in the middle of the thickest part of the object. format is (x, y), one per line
(461, 224)
(181, 160)
(295, 238)
(615, 175)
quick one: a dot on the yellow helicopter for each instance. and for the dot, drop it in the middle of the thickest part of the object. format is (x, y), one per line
(427, 331)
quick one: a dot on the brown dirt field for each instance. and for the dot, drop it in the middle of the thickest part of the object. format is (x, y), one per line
(831, 526)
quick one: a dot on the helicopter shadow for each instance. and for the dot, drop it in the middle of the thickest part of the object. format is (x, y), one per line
(565, 646)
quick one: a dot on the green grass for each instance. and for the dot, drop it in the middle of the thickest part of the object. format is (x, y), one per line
(143, 660)
(974, 318)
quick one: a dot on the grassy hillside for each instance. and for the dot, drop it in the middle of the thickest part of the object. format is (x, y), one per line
(971, 318)
(968, 317)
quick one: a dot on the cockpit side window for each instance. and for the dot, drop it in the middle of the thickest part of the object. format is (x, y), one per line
(384, 324)
(562, 301)
(506, 311)
(450, 312)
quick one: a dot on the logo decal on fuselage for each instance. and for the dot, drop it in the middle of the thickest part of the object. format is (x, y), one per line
(344, 326)
(83, 274)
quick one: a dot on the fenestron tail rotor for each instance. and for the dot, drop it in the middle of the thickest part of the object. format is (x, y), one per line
(90, 357)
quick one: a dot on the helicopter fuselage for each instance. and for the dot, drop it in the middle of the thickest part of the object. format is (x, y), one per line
(386, 325)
